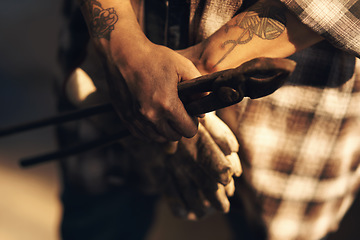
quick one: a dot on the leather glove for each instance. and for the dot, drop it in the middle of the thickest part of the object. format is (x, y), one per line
(201, 171)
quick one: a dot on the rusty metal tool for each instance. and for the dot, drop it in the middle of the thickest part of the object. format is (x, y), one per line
(256, 78)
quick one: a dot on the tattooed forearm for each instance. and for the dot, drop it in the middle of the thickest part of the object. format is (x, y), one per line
(265, 21)
(101, 21)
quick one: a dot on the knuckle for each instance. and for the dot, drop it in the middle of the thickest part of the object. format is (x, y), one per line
(192, 130)
(163, 103)
(175, 137)
(149, 114)
(166, 106)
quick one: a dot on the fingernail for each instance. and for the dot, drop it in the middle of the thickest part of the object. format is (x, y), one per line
(206, 203)
(171, 147)
(191, 216)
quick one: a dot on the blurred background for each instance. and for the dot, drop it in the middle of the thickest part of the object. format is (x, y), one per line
(29, 207)
(29, 198)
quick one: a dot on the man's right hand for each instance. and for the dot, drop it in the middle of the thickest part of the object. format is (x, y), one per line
(143, 89)
(143, 76)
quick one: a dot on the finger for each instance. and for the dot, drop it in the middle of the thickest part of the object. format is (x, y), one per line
(181, 121)
(165, 129)
(221, 133)
(129, 112)
(192, 216)
(230, 188)
(144, 130)
(204, 181)
(212, 159)
(175, 202)
(188, 191)
(169, 119)
(213, 193)
(188, 71)
(222, 199)
(192, 198)
(171, 147)
(236, 164)
(218, 198)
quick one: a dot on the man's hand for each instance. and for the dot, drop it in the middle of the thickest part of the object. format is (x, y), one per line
(266, 29)
(143, 76)
(197, 178)
(143, 88)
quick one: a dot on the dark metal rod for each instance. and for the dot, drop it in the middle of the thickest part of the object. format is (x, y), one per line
(101, 142)
(188, 87)
(54, 120)
(74, 115)
(184, 88)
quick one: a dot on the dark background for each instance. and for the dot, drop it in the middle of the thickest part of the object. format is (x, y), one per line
(29, 207)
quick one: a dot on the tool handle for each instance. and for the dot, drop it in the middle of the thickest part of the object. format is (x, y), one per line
(256, 78)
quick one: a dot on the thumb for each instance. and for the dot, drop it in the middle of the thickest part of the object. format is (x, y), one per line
(188, 71)
(170, 147)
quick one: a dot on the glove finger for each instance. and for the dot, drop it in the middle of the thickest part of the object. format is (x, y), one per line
(218, 198)
(187, 189)
(175, 202)
(213, 192)
(212, 159)
(230, 188)
(194, 171)
(235, 161)
(221, 133)
(223, 199)
(170, 147)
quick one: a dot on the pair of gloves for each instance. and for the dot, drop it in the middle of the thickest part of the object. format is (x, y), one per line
(196, 175)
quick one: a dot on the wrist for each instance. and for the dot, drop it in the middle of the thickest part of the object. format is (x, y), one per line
(129, 51)
(200, 56)
(206, 59)
(113, 25)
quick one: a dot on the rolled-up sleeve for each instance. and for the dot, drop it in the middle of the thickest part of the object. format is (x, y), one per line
(337, 21)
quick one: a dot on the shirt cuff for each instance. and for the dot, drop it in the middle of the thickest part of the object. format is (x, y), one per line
(337, 21)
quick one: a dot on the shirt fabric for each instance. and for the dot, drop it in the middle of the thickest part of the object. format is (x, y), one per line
(300, 146)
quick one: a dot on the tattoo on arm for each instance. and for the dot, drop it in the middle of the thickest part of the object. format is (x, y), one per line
(266, 22)
(101, 21)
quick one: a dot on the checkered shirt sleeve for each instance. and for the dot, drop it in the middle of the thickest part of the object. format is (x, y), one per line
(300, 152)
(337, 21)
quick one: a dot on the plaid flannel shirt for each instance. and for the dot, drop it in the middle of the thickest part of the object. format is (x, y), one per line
(301, 145)
(337, 21)
(300, 155)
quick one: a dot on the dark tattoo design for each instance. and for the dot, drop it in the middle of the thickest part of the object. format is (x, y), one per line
(102, 20)
(266, 22)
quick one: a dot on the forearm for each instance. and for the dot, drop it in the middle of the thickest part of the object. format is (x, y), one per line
(267, 29)
(114, 28)
(143, 76)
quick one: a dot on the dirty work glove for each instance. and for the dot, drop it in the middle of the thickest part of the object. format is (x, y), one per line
(201, 171)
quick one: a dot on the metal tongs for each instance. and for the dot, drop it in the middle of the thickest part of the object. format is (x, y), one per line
(256, 78)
